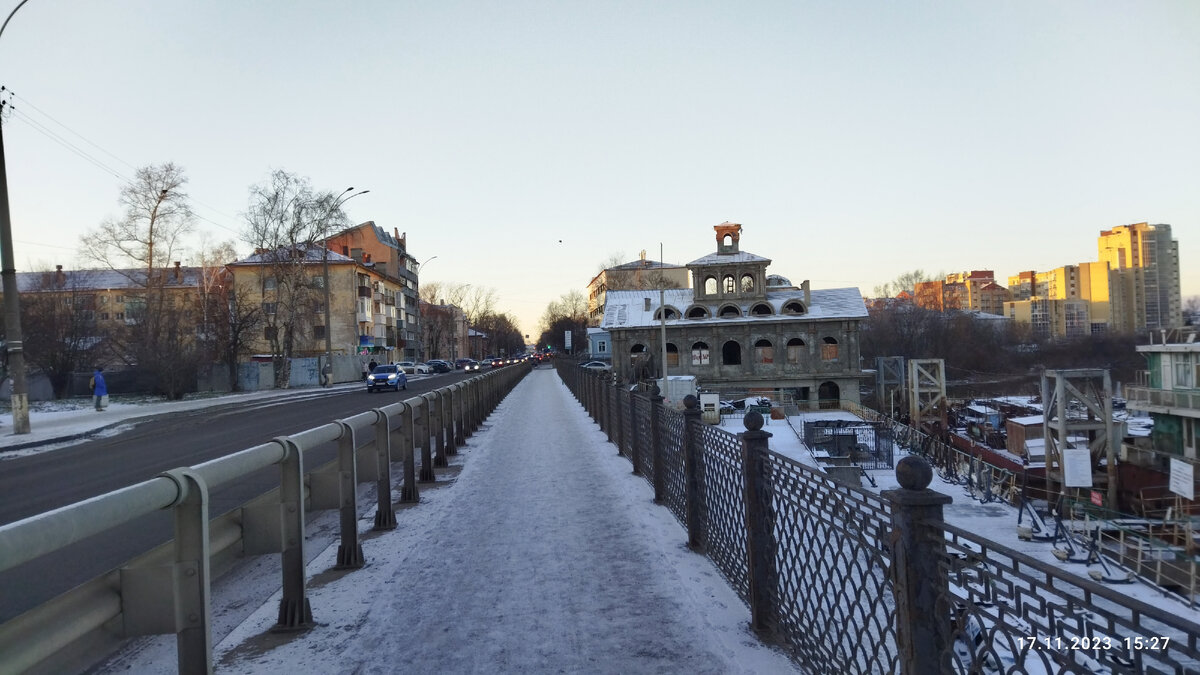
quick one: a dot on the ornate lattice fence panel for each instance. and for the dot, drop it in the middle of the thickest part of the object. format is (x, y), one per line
(833, 569)
(673, 429)
(641, 425)
(1012, 613)
(724, 510)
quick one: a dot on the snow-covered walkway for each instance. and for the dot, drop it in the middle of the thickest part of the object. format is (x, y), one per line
(545, 555)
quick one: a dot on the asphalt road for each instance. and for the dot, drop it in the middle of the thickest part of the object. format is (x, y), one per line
(42, 482)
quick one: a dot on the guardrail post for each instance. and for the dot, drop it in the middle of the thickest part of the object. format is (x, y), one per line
(194, 606)
(437, 415)
(693, 471)
(385, 515)
(408, 491)
(421, 436)
(920, 583)
(294, 609)
(460, 414)
(760, 526)
(635, 453)
(656, 446)
(450, 394)
(350, 552)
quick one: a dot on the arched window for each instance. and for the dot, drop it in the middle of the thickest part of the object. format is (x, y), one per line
(710, 285)
(672, 354)
(638, 348)
(828, 395)
(728, 282)
(731, 353)
(727, 240)
(829, 349)
(700, 354)
(764, 352)
(671, 313)
(762, 309)
(794, 307)
(795, 350)
(698, 312)
(747, 283)
(730, 312)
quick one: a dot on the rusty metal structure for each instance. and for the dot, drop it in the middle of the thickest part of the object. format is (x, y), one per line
(927, 403)
(1077, 409)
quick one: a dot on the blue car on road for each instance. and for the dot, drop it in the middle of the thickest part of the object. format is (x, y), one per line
(386, 377)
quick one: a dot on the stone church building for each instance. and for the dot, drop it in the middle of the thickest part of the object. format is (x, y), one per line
(739, 329)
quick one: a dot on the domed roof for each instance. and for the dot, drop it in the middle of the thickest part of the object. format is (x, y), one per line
(778, 281)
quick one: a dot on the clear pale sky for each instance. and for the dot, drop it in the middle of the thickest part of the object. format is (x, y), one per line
(522, 143)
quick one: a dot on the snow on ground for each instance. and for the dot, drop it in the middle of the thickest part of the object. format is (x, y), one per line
(539, 551)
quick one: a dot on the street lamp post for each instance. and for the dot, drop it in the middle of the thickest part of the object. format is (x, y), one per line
(12, 301)
(420, 329)
(327, 371)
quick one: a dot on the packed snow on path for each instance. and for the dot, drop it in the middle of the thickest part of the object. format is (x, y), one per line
(545, 554)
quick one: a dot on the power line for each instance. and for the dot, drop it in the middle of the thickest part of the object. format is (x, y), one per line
(57, 138)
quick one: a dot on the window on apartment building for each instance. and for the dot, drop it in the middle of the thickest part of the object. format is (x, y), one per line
(731, 353)
(319, 332)
(700, 354)
(764, 352)
(1184, 372)
(829, 349)
(318, 281)
(104, 316)
(269, 308)
(747, 283)
(119, 298)
(119, 316)
(729, 284)
(795, 351)
(710, 286)
(269, 284)
(672, 355)
(104, 299)
(602, 346)
(270, 332)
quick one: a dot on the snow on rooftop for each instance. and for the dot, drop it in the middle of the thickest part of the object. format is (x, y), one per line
(728, 258)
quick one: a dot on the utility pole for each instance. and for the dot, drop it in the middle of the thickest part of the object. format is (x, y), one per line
(12, 301)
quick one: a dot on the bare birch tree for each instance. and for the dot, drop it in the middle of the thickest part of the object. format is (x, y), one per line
(287, 223)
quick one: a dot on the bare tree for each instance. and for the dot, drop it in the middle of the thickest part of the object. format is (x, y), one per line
(148, 235)
(287, 222)
(60, 329)
(905, 282)
(141, 244)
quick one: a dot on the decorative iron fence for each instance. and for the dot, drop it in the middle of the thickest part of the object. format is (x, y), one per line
(857, 582)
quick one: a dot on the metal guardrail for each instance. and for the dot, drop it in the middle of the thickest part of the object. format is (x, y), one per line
(167, 590)
(853, 581)
(1150, 399)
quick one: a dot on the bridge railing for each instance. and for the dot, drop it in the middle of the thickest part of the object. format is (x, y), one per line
(853, 581)
(168, 590)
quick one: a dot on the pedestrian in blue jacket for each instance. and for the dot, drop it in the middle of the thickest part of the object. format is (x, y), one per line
(99, 389)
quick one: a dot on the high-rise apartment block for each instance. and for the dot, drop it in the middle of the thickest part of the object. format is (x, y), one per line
(1144, 260)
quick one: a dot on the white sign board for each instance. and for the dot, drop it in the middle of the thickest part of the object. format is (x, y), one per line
(1182, 479)
(567, 340)
(1077, 467)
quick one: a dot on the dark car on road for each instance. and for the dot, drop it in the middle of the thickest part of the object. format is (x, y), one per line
(439, 366)
(386, 377)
